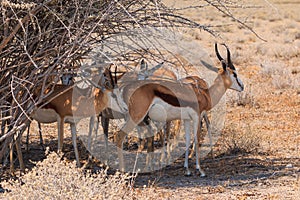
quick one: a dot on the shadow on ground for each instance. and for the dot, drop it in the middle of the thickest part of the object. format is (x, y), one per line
(228, 171)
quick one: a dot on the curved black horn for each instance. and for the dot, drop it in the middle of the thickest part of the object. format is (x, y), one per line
(230, 64)
(111, 78)
(217, 52)
(229, 58)
(116, 78)
(143, 65)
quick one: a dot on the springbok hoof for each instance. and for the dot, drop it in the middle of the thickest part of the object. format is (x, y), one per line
(201, 174)
(188, 173)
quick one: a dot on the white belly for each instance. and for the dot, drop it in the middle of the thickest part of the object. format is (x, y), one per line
(50, 116)
(45, 115)
(162, 112)
(73, 119)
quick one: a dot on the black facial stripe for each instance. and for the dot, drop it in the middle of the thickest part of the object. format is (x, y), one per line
(237, 80)
(234, 74)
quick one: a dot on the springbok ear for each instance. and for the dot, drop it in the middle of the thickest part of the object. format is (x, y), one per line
(209, 66)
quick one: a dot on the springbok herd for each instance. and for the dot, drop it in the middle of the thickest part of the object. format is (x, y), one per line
(148, 97)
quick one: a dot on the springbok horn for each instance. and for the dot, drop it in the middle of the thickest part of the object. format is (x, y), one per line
(116, 79)
(111, 77)
(217, 52)
(229, 58)
(143, 65)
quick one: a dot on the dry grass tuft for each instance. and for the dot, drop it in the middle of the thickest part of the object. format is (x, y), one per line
(282, 76)
(58, 179)
(245, 98)
(245, 141)
(279, 51)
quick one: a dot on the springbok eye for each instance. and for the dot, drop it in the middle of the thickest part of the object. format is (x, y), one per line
(108, 84)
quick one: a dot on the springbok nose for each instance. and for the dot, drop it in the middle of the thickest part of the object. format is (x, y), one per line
(242, 86)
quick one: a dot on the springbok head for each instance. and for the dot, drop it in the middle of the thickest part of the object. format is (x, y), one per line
(115, 99)
(229, 73)
(68, 78)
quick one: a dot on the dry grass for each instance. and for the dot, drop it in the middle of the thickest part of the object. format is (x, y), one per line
(59, 179)
(240, 141)
(245, 98)
(281, 76)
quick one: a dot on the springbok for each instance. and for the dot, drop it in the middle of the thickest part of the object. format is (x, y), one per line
(70, 104)
(166, 101)
(201, 85)
(66, 79)
(155, 73)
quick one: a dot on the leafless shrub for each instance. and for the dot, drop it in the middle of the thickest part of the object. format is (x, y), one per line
(54, 178)
(270, 68)
(281, 81)
(245, 98)
(245, 141)
(42, 40)
(238, 55)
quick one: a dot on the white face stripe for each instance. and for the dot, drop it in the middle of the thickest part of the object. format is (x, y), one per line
(237, 83)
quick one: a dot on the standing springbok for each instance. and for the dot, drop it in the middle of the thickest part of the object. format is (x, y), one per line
(201, 86)
(70, 104)
(155, 73)
(166, 101)
(66, 79)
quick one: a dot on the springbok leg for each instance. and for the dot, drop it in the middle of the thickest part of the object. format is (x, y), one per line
(187, 125)
(41, 136)
(19, 153)
(196, 144)
(73, 132)
(119, 138)
(27, 138)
